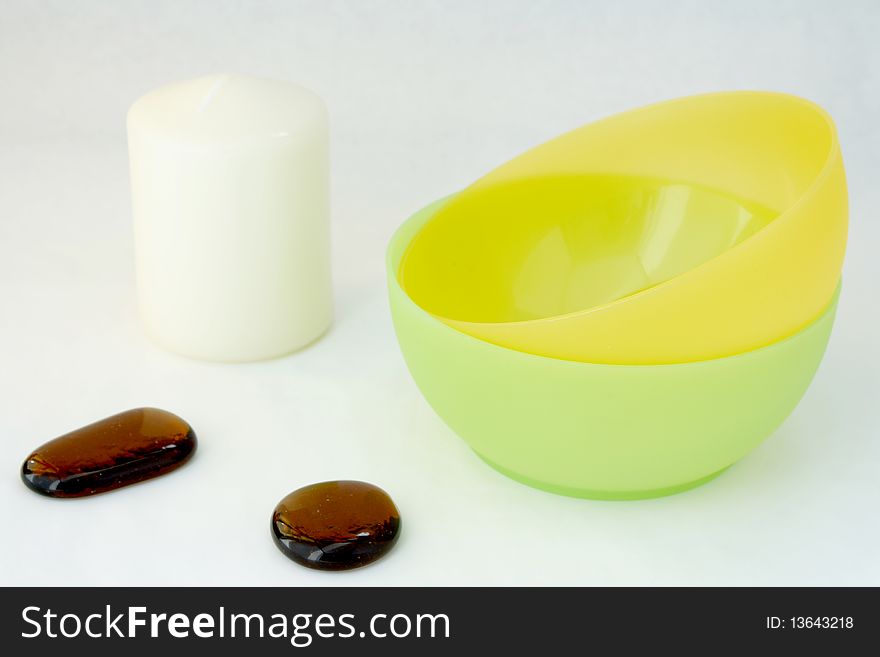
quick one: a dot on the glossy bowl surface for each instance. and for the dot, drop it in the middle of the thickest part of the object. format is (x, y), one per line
(685, 231)
(595, 430)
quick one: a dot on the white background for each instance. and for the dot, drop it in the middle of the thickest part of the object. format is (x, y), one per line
(424, 97)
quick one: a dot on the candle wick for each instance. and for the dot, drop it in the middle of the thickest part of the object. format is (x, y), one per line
(212, 93)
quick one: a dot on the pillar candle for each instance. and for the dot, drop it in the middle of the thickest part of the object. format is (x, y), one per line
(229, 183)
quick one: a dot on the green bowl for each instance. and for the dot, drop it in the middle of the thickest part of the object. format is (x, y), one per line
(600, 431)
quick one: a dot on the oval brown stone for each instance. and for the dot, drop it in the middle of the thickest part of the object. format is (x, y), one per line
(117, 451)
(336, 525)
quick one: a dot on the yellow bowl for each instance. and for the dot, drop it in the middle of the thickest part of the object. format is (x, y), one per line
(694, 229)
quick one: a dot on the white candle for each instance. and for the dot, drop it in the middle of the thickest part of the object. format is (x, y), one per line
(229, 182)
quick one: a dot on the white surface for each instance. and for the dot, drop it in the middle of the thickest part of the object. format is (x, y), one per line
(229, 181)
(423, 98)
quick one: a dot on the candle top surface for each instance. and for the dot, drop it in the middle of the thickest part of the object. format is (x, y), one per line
(228, 108)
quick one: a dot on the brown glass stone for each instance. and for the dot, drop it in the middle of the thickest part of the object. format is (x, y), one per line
(111, 453)
(336, 525)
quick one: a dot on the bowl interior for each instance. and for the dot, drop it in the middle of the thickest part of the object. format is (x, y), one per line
(547, 246)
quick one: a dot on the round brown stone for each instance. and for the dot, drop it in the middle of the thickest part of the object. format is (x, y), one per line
(336, 525)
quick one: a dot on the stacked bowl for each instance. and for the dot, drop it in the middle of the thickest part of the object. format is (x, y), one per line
(625, 311)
